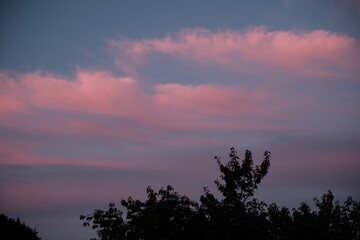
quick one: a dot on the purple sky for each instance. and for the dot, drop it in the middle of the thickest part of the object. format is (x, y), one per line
(100, 100)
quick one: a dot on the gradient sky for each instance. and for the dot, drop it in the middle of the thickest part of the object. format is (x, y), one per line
(99, 99)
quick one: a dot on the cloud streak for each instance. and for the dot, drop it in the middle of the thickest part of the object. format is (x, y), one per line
(310, 54)
(89, 94)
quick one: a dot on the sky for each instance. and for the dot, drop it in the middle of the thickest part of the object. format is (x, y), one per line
(100, 99)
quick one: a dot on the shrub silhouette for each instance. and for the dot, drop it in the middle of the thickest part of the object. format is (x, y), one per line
(238, 215)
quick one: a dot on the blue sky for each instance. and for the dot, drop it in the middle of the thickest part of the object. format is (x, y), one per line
(99, 99)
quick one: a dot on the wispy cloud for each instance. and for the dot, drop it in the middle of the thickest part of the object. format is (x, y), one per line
(311, 54)
(100, 104)
(99, 93)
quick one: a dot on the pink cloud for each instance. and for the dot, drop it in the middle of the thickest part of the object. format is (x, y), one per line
(208, 99)
(21, 154)
(51, 105)
(16, 154)
(99, 93)
(138, 125)
(209, 107)
(306, 53)
(40, 194)
(10, 96)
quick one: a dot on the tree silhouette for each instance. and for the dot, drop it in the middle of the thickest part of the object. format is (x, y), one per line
(235, 215)
(241, 181)
(164, 215)
(14, 229)
(238, 215)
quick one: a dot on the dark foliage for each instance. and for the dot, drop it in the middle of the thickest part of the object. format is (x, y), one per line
(168, 215)
(12, 229)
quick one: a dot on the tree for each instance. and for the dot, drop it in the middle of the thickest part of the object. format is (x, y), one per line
(241, 181)
(331, 221)
(335, 221)
(164, 215)
(168, 215)
(14, 229)
(238, 215)
(280, 225)
(108, 224)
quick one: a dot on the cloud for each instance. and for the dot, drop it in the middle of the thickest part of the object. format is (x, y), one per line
(79, 106)
(171, 128)
(51, 110)
(96, 92)
(98, 103)
(208, 99)
(311, 54)
(10, 97)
